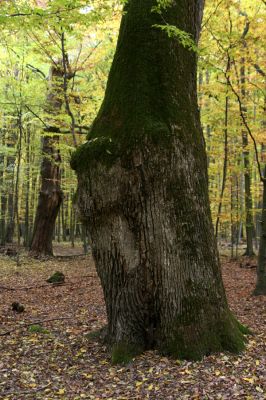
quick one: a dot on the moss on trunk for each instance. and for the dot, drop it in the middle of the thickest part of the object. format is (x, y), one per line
(143, 193)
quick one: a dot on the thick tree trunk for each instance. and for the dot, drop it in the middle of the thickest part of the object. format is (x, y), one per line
(143, 193)
(261, 269)
(50, 196)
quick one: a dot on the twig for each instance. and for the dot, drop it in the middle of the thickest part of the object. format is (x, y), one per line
(12, 289)
(212, 14)
(37, 70)
(42, 15)
(36, 115)
(33, 323)
(34, 390)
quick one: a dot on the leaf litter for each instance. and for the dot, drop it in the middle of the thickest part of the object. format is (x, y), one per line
(56, 359)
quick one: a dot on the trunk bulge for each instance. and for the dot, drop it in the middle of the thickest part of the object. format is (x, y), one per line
(143, 194)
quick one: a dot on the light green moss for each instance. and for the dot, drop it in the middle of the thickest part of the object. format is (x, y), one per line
(38, 329)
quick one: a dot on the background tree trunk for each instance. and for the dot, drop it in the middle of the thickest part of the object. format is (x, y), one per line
(50, 198)
(247, 174)
(143, 193)
(51, 195)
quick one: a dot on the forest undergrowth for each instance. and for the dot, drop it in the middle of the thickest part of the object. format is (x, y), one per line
(47, 351)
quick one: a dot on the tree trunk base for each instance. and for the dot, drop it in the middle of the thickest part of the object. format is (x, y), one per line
(228, 335)
(249, 254)
(260, 290)
(156, 258)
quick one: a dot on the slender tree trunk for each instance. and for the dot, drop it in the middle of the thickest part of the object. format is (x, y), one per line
(63, 223)
(33, 201)
(143, 193)
(17, 185)
(224, 166)
(3, 160)
(51, 195)
(247, 173)
(226, 114)
(27, 189)
(72, 222)
(59, 228)
(3, 219)
(10, 225)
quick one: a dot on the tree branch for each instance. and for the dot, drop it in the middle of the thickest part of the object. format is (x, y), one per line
(34, 69)
(259, 70)
(244, 120)
(68, 109)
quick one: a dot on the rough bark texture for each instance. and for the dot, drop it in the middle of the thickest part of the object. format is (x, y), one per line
(247, 174)
(50, 196)
(261, 269)
(143, 194)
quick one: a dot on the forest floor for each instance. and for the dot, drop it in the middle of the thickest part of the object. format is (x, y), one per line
(60, 361)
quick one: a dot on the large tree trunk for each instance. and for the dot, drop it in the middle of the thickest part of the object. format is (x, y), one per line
(261, 269)
(143, 194)
(50, 196)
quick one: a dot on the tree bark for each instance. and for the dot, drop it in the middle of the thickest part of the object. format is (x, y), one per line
(143, 194)
(3, 198)
(50, 196)
(261, 269)
(247, 172)
(27, 189)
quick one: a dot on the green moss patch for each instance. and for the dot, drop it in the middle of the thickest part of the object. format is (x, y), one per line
(123, 353)
(57, 277)
(38, 329)
(194, 343)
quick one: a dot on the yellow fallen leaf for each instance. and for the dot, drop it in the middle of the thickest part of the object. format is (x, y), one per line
(257, 362)
(83, 350)
(138, 383)
(217, 373)
(150, 387)
(250, 380)
(88, 376)
(32, 385)
(61, 391)
(259, 389)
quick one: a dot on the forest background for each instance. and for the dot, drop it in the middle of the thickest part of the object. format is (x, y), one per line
(37, 108)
